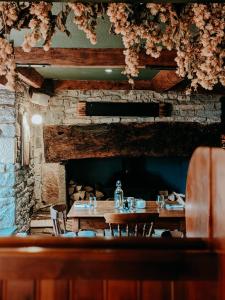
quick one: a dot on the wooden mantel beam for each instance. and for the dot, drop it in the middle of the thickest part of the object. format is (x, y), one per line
(90, 57)
(130, 139)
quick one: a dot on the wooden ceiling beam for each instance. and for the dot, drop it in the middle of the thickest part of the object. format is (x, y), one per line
(90, 57)
(100, 85)
(30, 76)
(165, 80)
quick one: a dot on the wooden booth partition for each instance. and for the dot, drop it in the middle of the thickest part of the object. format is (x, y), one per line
(104, 269)
(205, 202)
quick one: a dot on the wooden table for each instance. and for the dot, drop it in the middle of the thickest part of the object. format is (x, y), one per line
(93, 218)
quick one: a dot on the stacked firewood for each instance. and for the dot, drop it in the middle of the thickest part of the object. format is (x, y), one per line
(79, 192)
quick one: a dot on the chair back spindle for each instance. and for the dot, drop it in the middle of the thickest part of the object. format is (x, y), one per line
(131, 224)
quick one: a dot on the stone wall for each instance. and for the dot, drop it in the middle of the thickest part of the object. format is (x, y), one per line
(24, 183)
(62, 110)
(7, 158)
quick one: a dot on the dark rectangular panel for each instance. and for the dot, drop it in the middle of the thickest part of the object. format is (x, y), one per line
(122, 109)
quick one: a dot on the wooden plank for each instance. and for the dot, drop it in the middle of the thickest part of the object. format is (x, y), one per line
(90, 57)
(164, 81)
(99, 258)
(156, 290)
(87, 289)
(122, 289)
(131, 139)
(30, 76)
(95, 108)
(53, 289)
(101, 85)
(19, 290)
(198, 195)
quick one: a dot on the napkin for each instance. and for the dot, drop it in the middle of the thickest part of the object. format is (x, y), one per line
(82, 205)
(174, 206)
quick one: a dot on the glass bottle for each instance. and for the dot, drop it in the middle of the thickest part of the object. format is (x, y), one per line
(118, 195)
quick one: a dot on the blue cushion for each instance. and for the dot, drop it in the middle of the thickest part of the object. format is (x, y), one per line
(69, 234)
(86, 233)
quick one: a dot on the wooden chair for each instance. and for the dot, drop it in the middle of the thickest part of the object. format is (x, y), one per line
(58, 216)
(134, 223)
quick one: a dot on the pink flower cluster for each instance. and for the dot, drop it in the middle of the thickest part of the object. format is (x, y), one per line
(39, 24)
(200, 53)
(9, 13)
(7, 63)
(83, 15)
(149, 32)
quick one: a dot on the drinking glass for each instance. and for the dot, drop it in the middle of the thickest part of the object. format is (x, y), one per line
(131, 203)
(160, 201)
(92, 201)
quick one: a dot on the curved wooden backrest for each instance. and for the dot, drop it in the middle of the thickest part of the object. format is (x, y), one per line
(205, 194)
(124, 218)
(134, 223)
(198, 196)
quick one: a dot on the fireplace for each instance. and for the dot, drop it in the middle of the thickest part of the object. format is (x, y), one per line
(146, 157)
(141, 177)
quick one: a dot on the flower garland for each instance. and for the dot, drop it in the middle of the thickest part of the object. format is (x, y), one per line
(196, 31)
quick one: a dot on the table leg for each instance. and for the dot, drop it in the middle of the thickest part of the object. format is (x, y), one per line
(75, 224)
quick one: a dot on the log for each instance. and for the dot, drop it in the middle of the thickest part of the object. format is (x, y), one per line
(132, 139)
(90, 57)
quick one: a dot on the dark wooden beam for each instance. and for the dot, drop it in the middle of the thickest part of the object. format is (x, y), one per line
(101, 85)
(30, 76)
(90, 57)
(131, 139)
(165, 80)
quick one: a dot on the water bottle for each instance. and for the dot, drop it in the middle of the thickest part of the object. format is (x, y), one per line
(118, 195)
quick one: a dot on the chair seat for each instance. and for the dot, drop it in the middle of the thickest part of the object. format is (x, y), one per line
(68, 234)
(86, 233)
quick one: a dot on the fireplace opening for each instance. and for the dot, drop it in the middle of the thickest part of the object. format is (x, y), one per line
(141, 177)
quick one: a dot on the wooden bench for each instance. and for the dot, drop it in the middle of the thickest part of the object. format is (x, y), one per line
(97, 268)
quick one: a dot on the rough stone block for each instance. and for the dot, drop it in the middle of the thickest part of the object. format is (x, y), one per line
(7, 179)
(7, 212)
(7, 97)
(2, 168)
(7, 150)
(10, 167)
(7, 130)
(7, 192)
(7, 114)
(53, 183)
